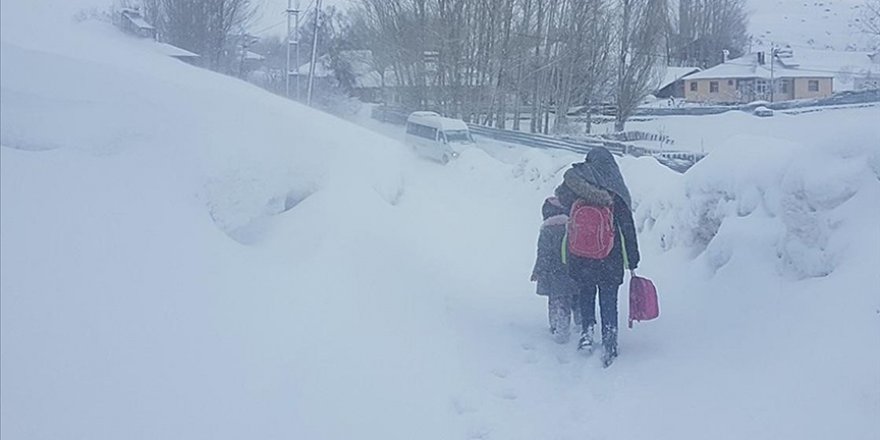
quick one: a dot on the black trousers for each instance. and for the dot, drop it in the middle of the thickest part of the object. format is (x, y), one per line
(607, 305)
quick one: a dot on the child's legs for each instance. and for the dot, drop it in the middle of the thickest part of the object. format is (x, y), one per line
(559, 310)
(588, 304)
(608, 306)
(576, 308)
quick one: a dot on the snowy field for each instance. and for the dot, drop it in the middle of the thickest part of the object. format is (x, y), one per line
(825, 24)
(187, 256)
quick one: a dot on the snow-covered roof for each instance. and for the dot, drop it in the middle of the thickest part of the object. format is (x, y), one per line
(174, 51)
(253, 56)
(136, 19)
(748, 67)
(834, 62)
(362, 67)
(433, 119)
(674, 74)
(322, 70)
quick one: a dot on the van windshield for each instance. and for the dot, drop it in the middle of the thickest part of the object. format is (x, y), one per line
(458, 136)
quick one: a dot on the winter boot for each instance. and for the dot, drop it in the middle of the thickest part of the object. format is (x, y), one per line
(585, 345)
(609, 344)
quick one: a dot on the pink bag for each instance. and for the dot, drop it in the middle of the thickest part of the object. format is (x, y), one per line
(643, 304)
(590, 230)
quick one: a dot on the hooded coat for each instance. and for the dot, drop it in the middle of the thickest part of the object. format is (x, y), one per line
(552, 275)
(598, 181)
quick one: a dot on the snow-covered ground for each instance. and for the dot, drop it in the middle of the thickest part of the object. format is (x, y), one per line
(712, 132)
(187, 256)
(826, 24)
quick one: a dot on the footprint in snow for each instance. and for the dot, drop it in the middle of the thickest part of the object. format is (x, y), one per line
(508, 394)
(462, 407)
(501, 373)
(478, 432)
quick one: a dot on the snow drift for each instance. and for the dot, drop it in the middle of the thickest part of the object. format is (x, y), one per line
(804, 208)
(126, 311)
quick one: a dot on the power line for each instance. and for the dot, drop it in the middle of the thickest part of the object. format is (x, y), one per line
(269, 27)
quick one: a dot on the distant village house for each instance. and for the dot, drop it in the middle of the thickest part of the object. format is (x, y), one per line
(785, 75)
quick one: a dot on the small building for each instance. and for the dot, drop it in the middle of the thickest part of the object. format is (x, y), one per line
(370, 82)
(757, 77)
(672, 84)
(132, 21)
(360, 74)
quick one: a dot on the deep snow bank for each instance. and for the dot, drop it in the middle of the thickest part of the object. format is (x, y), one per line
(805, 209)
(126, 311)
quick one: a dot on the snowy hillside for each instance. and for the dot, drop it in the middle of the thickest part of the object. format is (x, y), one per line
(187, 256)
(826, 24)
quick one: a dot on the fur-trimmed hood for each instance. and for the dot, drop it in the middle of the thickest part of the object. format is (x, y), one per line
(585, 190)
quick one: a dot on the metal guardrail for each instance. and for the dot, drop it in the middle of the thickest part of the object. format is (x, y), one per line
(677, 160)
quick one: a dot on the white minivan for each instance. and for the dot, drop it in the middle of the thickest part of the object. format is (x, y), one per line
(435, 137)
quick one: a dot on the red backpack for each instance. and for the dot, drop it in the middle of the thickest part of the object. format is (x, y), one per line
(590, 230)
(643, 303)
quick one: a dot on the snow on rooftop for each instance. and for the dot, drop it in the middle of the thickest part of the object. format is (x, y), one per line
(136, 19)
(855, 62)
(748, 67)
(362, 66)
(174, 51)
(322, 70)
(253, 56)
(674, 74)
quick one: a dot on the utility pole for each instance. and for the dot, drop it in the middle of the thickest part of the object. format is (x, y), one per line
(314, 52)
(772, 76)
(244, 50)
(292, 45)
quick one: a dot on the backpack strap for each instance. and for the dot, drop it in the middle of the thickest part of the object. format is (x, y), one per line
(623, 247)
(563, 251)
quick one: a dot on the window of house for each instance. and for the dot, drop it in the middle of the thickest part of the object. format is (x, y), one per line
(784, 86)
(761, 86)
(713, 86)
(813, 85)
(693, 86)
(730, 82)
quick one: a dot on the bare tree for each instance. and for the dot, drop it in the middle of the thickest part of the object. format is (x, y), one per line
(702, 29)
(482, 60)
(584, 59)
(642, 26)
(200, 26)
(869, 18)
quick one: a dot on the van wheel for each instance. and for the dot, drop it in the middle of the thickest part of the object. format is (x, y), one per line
(445, 159)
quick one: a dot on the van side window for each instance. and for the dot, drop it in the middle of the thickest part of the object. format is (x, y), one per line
(426, 132)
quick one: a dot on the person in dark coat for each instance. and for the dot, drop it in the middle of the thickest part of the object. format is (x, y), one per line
(552, 276)
(598, 181)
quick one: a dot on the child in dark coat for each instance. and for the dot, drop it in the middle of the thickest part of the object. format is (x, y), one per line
(598, 182)
(552, 276)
